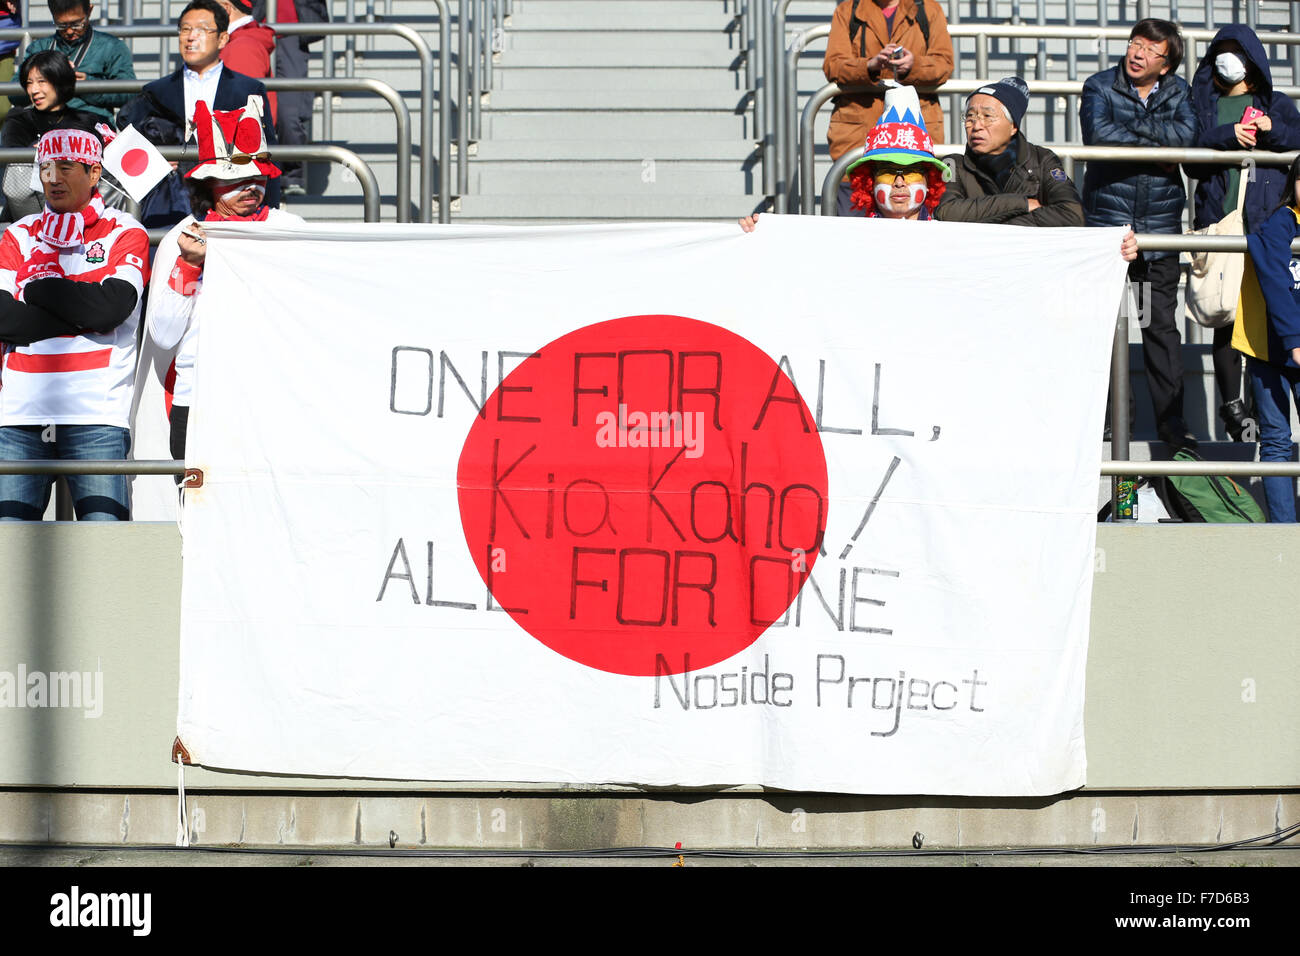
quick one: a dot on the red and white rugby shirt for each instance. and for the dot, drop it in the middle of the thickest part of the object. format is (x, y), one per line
(85, 379)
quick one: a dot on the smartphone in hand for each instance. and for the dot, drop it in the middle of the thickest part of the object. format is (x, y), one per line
(1250, 115)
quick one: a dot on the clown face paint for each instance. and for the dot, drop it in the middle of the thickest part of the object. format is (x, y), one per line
(898, 193)
(239, 197)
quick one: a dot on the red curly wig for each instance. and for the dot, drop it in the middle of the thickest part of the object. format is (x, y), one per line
(863, 183)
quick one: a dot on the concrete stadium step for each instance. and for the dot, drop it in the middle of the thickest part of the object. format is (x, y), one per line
(607, 57)
(602, 99)
(619, 77)
(578, 206)
(606, 177)
(610, 124)
(616, 17)
(646, 43)
(736, 150)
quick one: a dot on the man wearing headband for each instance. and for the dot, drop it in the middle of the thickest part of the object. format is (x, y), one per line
(71, 278)
(228, 185)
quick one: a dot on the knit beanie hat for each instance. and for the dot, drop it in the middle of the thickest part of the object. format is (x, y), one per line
(1012, 92)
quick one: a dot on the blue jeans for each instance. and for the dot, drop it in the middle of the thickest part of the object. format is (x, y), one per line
(1272, 386)
(95, 497)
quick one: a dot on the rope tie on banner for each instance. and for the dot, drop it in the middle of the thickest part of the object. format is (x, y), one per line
(181, 757)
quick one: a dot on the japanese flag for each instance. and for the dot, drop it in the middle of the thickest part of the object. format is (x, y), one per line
(135, 163)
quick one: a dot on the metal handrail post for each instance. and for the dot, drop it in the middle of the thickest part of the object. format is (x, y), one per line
(1103, 58)
(1072, 73)
(746, 43)
(832, 181)
(1209, 13)
(807, 172)
(781, 89)
(350, 44)
(1295, 50)
(475, 73)
(162, 41)
(487, 43)
(1119, 397)
(401, 114)
(128, 12)
(462, 99)
(982, 55)
(762, 90)
(327, 102)
(797, 46)
(1252, 15)
(1143, 9)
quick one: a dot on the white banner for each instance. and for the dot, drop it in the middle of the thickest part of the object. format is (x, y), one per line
(811, 508)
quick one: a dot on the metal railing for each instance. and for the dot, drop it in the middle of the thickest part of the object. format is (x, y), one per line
(807, 170)
(786, 154)
(328, 30)
(334, 154)
(401, 115)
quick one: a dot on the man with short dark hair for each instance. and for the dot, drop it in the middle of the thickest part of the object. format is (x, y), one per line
(160, 112)
(1002, 177)
(71, 280)
(1144, 102)
(94, 55)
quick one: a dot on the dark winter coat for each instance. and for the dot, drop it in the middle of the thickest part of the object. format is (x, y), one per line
(973, 196)
(1148, 196)
(1264, 192)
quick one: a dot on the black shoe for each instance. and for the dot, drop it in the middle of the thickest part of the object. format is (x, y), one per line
(1235, 417)
(1173, 432)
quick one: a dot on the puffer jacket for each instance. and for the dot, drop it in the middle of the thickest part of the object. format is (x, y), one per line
(1148, 196)
(846, 64)
(1264, 190)
(972, 196)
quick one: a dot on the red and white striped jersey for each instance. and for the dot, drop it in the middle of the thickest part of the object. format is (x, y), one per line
(78, 379)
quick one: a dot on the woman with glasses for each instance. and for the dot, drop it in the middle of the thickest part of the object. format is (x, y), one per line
(1237, 109)
(94, 55)
(49, 81)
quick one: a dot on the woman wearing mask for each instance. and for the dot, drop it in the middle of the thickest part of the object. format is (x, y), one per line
(1232, 77)
(1267, 331)
(50, 82)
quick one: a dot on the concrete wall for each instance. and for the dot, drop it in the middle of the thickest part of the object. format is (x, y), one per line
(1192, 668)
(1192, 676)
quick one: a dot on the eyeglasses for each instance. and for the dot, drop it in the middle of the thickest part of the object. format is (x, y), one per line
(1140, 47)
(887, 174)
(71, 26)
(196, 31)
(985, 118)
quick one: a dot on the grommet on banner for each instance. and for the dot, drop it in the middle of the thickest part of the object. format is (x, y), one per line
(181, 757)
(193, 478)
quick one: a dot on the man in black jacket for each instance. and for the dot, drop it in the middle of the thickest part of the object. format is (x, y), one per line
(163, 109)
(1003, 178)
(1143, 102)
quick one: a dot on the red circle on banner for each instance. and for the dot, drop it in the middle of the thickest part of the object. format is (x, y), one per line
(644, 495)
(135, 161)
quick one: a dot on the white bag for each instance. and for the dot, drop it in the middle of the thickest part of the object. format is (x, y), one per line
(1214, 282)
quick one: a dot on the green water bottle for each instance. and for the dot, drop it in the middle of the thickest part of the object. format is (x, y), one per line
(1126, 499)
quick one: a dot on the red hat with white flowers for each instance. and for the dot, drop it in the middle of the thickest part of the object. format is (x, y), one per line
(232, 143)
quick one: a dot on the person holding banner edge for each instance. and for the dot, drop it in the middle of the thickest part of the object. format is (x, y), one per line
(229, 184)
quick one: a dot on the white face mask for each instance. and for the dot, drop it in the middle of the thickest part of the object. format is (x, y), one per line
(1230, 67)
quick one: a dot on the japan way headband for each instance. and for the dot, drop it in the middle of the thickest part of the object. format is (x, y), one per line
(79, 146)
